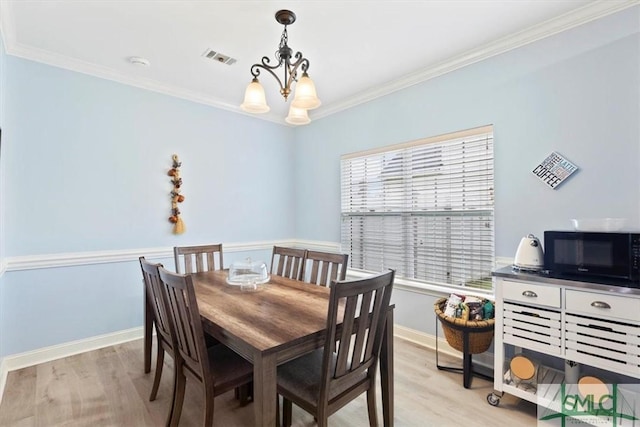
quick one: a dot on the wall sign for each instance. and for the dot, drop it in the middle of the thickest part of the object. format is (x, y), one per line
(554, 170)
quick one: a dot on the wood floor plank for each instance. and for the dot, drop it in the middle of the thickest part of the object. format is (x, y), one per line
(18, 402)
(120, 391)
(68, 389)
(108, 387)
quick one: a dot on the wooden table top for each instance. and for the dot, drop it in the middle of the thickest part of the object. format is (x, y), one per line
(280, 314)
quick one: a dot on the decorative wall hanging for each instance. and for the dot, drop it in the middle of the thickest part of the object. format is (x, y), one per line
(554, 170)
(176, 197)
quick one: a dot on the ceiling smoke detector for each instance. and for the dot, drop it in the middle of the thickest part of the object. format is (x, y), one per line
(137, 60)
(218, 57)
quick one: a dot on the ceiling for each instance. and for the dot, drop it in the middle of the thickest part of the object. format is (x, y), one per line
(358, 50)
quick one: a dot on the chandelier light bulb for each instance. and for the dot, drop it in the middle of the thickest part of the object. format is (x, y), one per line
(297, 116)
(305, 95)
(255, 100)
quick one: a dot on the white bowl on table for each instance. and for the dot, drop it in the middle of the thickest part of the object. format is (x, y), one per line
(599, 224)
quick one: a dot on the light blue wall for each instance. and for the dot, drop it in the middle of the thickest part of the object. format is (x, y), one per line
(576, 93)
(86, 160)
(2, 190)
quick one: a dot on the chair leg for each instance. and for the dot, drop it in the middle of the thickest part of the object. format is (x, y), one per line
(173, 395)
(243, 394)
(371, 407)
(322, 415)
(287, 408)
(178, 398)
(158, 373)
(209, 400)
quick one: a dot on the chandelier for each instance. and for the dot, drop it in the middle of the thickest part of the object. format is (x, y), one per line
(305, 97)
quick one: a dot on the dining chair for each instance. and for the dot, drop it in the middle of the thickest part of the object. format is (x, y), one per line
(217, 369)
(323, 381)
(164, 342)
(288, 262)
(196, 259)
(321, 268)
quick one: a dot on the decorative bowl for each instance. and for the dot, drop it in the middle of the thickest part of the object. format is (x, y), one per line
(599, 224)
(248, 274)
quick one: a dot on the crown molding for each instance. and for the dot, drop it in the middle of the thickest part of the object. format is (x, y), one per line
(590, 12)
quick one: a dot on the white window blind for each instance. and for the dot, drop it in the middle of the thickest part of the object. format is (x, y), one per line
(424, 208)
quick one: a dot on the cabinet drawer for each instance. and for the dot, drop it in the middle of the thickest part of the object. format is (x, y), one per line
(531, 293)
(603, 305)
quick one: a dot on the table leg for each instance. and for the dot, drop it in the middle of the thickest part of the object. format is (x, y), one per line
(386, 371)
(265, 390)
(148, 331)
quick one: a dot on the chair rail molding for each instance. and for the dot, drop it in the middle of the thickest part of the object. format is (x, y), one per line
(71, 259)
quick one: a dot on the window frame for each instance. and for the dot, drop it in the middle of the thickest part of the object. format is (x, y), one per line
(424, 286)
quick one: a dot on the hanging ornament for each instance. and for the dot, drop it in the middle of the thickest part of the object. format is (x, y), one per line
(176, 197)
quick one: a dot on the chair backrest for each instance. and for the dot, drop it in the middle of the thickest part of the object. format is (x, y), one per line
(288, 262)
(153, 289)
(179, 298)
(321, 268)
(196, 259)
(366, 302)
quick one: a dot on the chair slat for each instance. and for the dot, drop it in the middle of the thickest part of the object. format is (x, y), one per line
(196, 259)
(320, 268)
(361, 333)
(288, 262)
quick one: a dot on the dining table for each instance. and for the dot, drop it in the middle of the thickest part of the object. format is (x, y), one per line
(269, 325)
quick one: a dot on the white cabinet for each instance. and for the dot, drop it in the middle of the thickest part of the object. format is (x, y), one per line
(581, 323)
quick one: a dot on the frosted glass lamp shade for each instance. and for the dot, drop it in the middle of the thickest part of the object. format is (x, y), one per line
(305, 96)
(297, 116)
(254, 98)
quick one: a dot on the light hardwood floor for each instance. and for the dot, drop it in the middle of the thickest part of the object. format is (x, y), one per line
(107, 387)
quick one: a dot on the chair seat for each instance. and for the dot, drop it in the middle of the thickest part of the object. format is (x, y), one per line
(302, 377)
(227, 368)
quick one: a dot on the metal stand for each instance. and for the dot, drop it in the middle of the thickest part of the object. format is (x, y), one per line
(467, 365)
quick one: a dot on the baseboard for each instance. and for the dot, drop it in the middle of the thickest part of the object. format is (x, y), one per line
(47, 354)
(429, 341)
(3, 376)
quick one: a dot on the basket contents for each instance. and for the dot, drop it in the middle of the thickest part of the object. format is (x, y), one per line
(468, 308)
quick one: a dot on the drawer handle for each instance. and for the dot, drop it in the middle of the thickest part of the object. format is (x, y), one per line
(600, 304)
(530, 294)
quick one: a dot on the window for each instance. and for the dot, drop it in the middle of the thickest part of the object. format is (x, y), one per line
(424, 208)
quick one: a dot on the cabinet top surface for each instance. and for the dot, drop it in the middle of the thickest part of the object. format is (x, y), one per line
(546, 278)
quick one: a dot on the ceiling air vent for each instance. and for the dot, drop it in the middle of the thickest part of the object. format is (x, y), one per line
(218, 57)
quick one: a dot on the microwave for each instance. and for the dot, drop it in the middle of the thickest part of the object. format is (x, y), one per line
(593, 255)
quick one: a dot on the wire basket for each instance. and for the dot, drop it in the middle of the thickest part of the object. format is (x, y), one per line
(480, 332)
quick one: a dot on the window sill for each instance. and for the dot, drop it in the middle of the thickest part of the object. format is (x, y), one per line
(432, 289)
